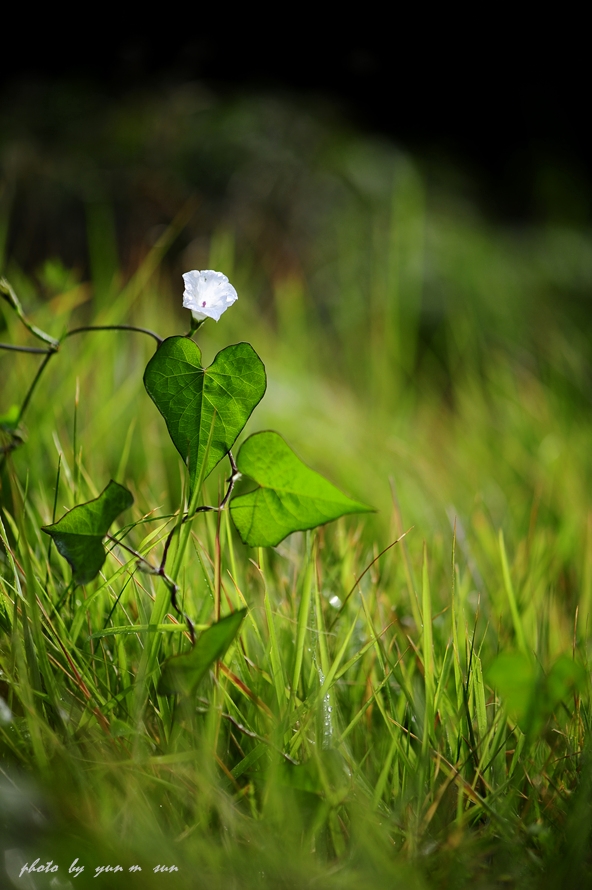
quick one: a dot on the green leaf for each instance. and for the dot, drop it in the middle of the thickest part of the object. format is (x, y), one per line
(182, 673)
(515, 676)
(193, 399)
(530, 695)
(565, 678)
(302, 776)
(9, 420)
(291, 497)
(79, 534)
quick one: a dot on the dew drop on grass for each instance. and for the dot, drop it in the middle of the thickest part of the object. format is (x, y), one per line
(327, 718)
(5, 713)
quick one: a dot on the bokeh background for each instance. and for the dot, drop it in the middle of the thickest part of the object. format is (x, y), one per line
(402, 222)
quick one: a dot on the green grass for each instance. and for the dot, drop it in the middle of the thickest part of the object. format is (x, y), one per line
(365, 729)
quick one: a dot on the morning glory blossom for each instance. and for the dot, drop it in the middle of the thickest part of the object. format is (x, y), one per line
(208, 294)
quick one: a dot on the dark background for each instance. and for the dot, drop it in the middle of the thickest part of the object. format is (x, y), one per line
(501, 103)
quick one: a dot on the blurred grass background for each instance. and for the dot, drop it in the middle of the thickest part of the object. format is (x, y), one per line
(366, 288)
(430, 361)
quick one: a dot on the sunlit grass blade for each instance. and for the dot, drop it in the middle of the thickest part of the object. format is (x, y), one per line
(275, 655)
(428, 655)
(509, 588)
(303, 614)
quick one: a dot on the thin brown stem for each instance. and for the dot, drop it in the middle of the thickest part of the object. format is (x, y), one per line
(206, 508)
(159, 571)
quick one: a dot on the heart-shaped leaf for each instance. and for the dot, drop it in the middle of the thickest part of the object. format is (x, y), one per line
(79, 534)
(529, 695)
(182, 673)
(197, 401)
(9, 420)
(291, 497)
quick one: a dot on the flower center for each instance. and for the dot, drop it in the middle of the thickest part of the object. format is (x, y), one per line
(203, 304)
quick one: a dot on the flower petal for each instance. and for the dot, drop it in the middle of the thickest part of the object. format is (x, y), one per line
(207, 294)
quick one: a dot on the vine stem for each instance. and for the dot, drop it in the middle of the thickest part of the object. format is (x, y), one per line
(159, 571)
(148, 667)
(34, 383)
(184, 524)
(113, 327)
(53, 347)
(8, 293)
(206, 508)
(34, 349)
(217, 569)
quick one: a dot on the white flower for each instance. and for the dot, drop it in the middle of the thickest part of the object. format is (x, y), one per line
(208, 294)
